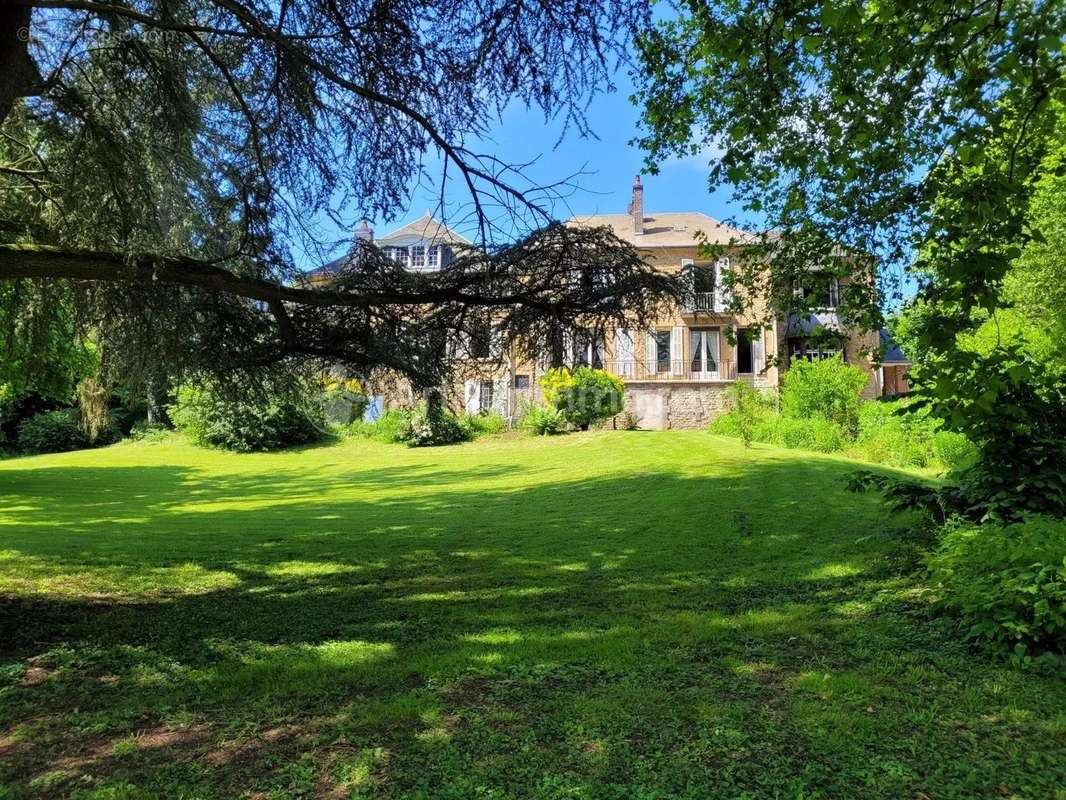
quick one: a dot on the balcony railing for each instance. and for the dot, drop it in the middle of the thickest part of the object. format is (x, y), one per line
(702, 301)
(635, 370)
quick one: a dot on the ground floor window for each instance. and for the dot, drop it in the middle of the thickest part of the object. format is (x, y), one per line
(662, 351)
(704, 350)
(521, 381)
(800, 348)
(485, 396)
(745, 352)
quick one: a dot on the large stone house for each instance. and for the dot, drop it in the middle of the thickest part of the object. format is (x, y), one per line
(675, 373)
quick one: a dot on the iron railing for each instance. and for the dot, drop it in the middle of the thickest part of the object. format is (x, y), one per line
(675, 370)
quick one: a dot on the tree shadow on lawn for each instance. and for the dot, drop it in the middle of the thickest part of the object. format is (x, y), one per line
(635, 628)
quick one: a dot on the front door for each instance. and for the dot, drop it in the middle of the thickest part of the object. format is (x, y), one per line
(704, 350)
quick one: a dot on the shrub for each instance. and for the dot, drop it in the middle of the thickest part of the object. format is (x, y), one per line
(748, 407)
(484, 423)
(953, 450)
(392, 427)
(541, 421)
(145, 431)
(344, 400)
(448, 429)
(802, 434)
(275, 417)
(1007, 585)
(583, 396)
(827, 389)
(52, 432)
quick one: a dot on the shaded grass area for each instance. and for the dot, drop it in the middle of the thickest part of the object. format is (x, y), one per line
(604, 615)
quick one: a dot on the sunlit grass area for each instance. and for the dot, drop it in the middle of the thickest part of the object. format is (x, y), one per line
(610, 615)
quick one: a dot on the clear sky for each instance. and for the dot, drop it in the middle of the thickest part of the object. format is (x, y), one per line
(609, 161)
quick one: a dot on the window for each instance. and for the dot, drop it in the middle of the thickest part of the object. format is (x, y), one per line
(397, 254)
(822, 291)
(798, 348)
(588, 351)
(703, 279)
(745, 354)
(480, 338)
(521, 381)
(703, 345)
(433, 257)
(662, 351)
(418, 257)
(485, 396)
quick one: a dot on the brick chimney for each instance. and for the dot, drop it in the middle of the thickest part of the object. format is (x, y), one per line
(636, 207)
(364, 233)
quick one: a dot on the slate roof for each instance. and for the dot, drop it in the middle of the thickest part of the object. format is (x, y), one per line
(893, 353)
(668, 229)
(424, 229)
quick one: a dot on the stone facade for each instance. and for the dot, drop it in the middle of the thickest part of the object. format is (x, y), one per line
(677, 405)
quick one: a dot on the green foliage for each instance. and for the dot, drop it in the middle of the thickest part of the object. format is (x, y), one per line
(894, 434)
(392, 427)
(272, 418)
(443, 428)
(413, 427)
(828, 389)
(542, 421)
(484, 423)
(52, 432)
(1007, 584)
(815, 433)
(1013, 409)
(584, 396)
(748, 407)
(142, 431)
(953, 450)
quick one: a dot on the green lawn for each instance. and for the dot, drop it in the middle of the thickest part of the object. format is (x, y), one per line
(610, 615)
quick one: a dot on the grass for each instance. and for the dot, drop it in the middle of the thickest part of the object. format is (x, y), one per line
(605, 615)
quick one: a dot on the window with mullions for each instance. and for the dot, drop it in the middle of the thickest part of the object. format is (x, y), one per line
(799, 348)
(820, 290)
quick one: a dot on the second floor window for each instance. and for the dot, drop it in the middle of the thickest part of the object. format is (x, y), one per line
(821, 291)
(432, 257)
(397, 254)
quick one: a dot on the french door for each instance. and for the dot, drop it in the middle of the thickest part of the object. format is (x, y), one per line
(704, 347)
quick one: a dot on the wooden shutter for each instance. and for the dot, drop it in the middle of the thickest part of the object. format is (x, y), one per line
(472, 391)
(758, 353)
(677, 350)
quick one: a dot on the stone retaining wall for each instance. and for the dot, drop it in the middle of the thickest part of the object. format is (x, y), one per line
(677, 405)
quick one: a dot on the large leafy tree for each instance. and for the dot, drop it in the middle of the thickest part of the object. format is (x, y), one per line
(910, 135)
(163, 158)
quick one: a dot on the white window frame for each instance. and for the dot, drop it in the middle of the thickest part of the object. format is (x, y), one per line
(418, 256)
(433, 257)
(700, 342)
(397, 254)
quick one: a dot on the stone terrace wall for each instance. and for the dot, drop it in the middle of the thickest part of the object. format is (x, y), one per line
(681, 405)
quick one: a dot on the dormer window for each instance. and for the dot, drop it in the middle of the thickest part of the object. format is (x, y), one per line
(418, 256)
(433, 257)
(397, 254)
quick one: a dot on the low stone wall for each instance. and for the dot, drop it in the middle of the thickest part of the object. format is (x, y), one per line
(675, 405)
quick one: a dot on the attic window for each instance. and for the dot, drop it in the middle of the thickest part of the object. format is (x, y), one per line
(418, 256)
(432, 257)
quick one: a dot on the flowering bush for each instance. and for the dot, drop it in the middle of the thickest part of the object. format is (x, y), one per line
(583, 396)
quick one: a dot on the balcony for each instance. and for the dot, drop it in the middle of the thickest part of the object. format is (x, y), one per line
(703, 302)
(678, 371)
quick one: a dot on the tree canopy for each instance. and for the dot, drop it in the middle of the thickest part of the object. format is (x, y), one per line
(165, 158)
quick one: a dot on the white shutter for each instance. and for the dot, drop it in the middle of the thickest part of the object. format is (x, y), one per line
(651, 354)
(677, 350)
(724, 295)
(472, 391)
(758, 352)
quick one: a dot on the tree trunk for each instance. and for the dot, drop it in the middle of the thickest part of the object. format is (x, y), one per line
(19, 76)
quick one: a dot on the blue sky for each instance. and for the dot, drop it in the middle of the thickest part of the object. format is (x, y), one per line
(610, 161)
